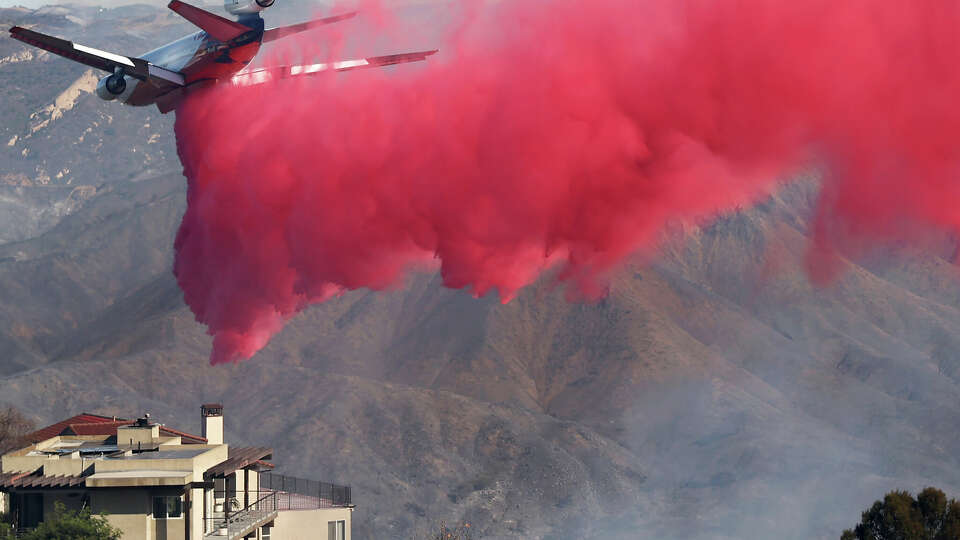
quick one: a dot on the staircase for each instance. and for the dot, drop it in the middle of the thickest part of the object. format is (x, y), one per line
(243, 522)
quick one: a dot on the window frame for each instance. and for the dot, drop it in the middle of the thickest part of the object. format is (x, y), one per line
(339, 529)
(153, 507)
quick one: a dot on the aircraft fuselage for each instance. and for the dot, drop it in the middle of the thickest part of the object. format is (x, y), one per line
(200, 57)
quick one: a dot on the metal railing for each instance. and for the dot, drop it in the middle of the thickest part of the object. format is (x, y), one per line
(298, 493)
(275, 492)
(234, 524)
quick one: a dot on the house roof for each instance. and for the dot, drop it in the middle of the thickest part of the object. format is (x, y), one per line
(238, 458)
(187, 438)
(95, 424)
(94, 428)
(55, 429)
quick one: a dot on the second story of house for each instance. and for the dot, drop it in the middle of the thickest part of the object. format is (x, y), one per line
(113, 452)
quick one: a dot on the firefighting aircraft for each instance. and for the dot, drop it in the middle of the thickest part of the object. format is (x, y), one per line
(218, 53)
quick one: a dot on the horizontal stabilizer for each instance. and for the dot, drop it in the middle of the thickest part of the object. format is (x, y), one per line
(262, 75)
(284, 31)
(218, 27)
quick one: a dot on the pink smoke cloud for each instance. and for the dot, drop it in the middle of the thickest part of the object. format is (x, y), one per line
(562, 134)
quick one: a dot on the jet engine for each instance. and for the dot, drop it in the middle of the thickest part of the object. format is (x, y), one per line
(240, 7)
(111, 86)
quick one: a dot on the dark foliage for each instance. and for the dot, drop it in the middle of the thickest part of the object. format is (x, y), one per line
(74, 525)
(900, 516)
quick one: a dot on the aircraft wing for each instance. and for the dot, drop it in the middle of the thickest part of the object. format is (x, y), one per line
(284, 31)
(262, 75)
(107, 61)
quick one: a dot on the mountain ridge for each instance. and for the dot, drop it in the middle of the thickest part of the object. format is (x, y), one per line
(714, 393)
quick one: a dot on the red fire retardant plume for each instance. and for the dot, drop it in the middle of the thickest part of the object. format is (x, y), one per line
(563, 133)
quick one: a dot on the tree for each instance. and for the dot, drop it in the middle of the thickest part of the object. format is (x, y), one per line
(14, 426)
(900, 516)
(74, 525)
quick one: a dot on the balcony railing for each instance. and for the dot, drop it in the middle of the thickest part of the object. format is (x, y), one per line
(298, 494)
(275, 493)
(237, 524)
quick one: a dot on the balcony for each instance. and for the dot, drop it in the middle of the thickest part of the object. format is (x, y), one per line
(300, 494)
(277, 493)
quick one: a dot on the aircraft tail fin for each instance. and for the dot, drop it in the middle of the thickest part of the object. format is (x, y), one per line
(284, 31)
(220, 28)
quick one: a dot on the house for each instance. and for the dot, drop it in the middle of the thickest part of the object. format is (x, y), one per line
(159, 483)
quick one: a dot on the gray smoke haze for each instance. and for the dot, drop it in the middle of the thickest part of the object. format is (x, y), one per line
(767, 407)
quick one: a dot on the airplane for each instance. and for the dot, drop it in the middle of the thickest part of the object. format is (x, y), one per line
(219, 52)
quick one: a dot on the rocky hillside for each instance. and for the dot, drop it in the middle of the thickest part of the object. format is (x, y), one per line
(715, 393)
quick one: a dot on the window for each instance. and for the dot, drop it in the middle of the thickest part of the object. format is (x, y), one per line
(265, 532)
(335, 530)
(168, 507)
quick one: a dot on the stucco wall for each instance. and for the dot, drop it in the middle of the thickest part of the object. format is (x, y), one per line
(310, 524)
(128, 510)
(195, 507)
(131, 510)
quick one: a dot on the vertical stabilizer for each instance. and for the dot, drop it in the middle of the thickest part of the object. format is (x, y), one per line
(216, 26)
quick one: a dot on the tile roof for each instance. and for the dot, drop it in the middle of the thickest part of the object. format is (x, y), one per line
(94, 428)
(238, 458)
(95, 424)
(186, 437)
(55, 429)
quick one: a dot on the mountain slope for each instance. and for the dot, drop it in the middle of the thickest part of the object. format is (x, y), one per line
(715, 393)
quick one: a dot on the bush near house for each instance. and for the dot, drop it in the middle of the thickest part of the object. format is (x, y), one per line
(73, 525)
(900, 516)
(6, 526)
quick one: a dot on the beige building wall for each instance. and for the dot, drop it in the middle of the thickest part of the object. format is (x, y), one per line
(196, 512)
(131, 511)
(310, 524)
(127, 509)
(134, 434)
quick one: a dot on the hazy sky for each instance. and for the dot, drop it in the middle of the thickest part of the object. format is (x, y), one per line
(33, 4)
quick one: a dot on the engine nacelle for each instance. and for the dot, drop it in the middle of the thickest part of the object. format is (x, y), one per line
(240, 7)
(111, 86)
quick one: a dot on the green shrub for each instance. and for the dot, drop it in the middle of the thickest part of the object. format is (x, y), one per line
(74, 525)
(900, 516)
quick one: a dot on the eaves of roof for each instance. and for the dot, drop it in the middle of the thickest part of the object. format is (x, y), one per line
(35, 480)
(239, 458)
